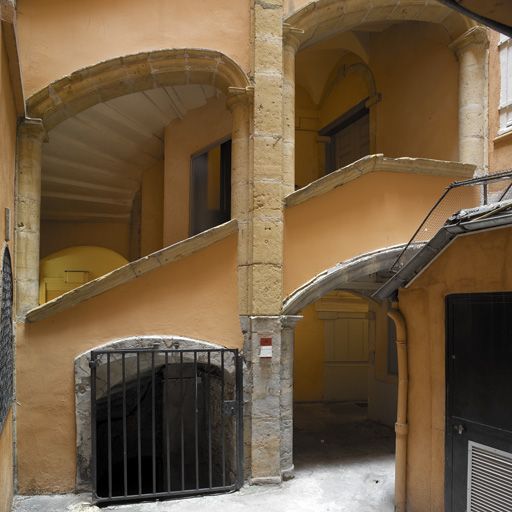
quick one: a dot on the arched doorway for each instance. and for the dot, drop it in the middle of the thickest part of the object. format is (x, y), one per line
(162, 417)
(105, 178)
(345, 380)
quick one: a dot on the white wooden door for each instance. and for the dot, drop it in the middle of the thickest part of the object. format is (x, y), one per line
(346, 359)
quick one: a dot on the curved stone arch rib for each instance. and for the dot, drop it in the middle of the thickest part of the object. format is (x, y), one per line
(341, 71)
(322, 18)
(342, 274)
(116, 77)
(83, 388)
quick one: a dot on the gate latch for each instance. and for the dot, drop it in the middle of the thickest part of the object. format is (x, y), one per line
(230, 407)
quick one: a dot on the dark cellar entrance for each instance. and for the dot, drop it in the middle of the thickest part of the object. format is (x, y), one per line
(165, 423)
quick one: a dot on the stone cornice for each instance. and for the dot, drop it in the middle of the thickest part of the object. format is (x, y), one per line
(380, 163)
(132, 270)
(475, 36)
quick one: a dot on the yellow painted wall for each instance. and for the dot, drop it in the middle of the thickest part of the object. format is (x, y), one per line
(500, 149)
(487, 269)
(418, 114)
(196, 297)
(56, 236)
(371, 212)
(57, 37)
(7, 163)
(183, 138)
(309, 355)
(152, 210)
(309, 154)
(6, 469)
(69, 268)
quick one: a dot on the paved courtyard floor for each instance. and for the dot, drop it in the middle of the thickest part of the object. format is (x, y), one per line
(343, 462)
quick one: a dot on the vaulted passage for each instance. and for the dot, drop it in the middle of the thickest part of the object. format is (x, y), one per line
(166, 423)
(345, 395)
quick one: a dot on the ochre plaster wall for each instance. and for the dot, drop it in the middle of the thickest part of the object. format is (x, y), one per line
(6, 469)
(500, 148)
(195, 297)
(417, 75)
(57, 37)
(374, 211)
(56, 235)
(7, 142)
(473, 263)
(199, 129)
(152, 210)
(7, 170)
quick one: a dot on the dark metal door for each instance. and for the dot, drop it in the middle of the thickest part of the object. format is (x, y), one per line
(478, 403)
(165, 423)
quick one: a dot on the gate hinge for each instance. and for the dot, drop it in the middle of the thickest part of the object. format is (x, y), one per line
(230, 407)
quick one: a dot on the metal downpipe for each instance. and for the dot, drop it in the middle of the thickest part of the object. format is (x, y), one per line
(401, 426)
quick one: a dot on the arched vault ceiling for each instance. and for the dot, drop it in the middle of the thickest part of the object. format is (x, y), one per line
(93, 161)
(322, 19)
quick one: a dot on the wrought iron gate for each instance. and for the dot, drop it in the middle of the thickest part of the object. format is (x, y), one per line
(165, 423)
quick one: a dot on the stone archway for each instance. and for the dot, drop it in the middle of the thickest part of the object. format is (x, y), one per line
(323, 18)
(104, 81)
(132, 73)
(83, 391)
(347, 275)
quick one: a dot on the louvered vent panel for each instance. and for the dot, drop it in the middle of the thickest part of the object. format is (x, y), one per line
(489, 479)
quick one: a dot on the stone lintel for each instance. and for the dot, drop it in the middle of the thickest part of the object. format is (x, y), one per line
(380, 163)
(133, 270)
(290, 321)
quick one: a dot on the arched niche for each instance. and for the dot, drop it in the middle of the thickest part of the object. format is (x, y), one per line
(83, 386)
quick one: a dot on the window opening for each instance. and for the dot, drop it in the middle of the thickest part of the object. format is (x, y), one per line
(349, 138)
(210, 188)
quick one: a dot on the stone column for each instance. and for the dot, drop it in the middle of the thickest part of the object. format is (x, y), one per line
(265, 428)
(290, 46)
(265, 280)
(287, 345)
(28, 212)
(472, 51)
(240, 104)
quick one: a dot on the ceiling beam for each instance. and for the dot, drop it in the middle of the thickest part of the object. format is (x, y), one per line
(176, 103)
(126, 164)
(68, 216)
(87, 199)
(128, 176)
(87, 185)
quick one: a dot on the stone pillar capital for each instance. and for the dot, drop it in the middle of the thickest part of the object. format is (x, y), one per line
(239, 96)
(291, 37)
(475, 36)
(290, 321)
(31, 128)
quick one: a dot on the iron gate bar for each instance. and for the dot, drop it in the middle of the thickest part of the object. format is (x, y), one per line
(204, 484)
(222, 399)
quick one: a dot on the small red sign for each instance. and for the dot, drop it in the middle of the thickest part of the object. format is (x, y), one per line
(265, 342)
